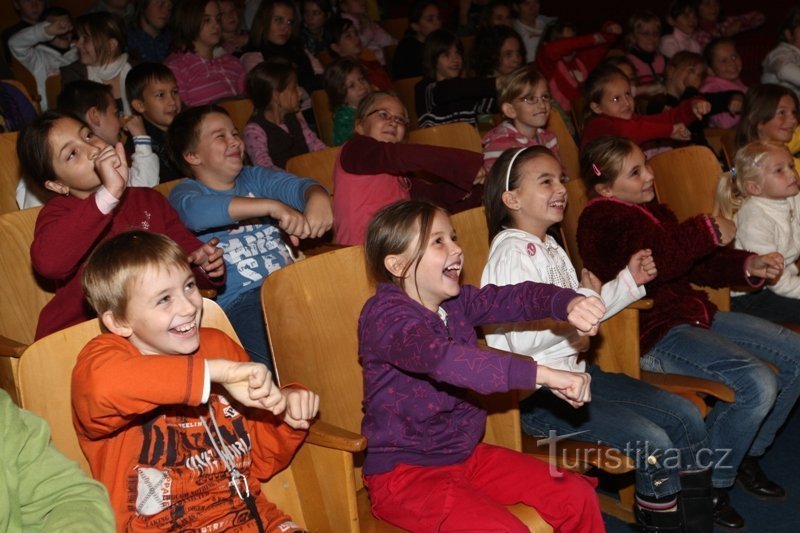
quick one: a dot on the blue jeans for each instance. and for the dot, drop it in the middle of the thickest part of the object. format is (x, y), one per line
(247, 320)
(638, 419)
(731, 353)
(768, 305)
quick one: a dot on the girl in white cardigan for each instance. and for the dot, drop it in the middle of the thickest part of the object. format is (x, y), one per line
(760, 194)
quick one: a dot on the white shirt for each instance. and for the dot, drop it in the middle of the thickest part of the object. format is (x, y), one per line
(782, 66)
(764, 226)
(516, 256)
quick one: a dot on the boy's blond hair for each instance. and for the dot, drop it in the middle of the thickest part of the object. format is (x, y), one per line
(517, 83)
(116, 264)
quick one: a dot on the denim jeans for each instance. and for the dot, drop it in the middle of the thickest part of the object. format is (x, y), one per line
(640, 420)
(247, 320)
(731, 353)
(768, 305)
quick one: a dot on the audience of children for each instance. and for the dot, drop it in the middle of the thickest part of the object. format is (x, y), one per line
(770, 114)
(684, 333)
(530, 25)
(342, 40)
(782, 64)
(682, 16)
(425, 467)
(92, 202)
(234, 38)
(94, 104)
(102, 48)
(644, 34)
(274, 35)
(372, 35)
(525, 196)
(231, 427)
(423, 18)
(96, 197)
(43, 48)
(372, 169)
(608, 95)
(315, 15)
(497, 13)
(244, 209)
(30, 13)
(712, 26)
(497, 51)
(154, 96)
(760, 194)
(149, 35)
(442, 96)
(202, 75)
(723, 83)
(41, 489)
(566, 59)
(525, 103)
(277, 131)
(346, 85)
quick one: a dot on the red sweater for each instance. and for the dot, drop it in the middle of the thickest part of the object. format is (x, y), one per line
(610, 231)
(68, 229)
(370, 174)
(566, 76)
(639, 128)
(144, 440)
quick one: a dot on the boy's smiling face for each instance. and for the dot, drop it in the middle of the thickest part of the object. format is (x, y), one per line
(217, 158)
(163, 312)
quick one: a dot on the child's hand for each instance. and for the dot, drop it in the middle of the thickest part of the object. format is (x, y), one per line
(301, 406)
(590, 281)
(735, 104)
(209, 258)
(135, 126)
(572, 387)
(318, 212)
(767, 266)
(585, 312)
(642, 267)
(480, 178)
(700, 108)
(59, 25)
(727, 230)
(248, 383)
(291, 221)
(111, 165)
(680, 132)
(612, 27)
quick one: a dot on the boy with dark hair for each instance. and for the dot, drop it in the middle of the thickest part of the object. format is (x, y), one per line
(154, 97)
(187, 450)
(94, 103)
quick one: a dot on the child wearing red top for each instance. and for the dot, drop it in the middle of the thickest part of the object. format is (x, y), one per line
(185, 451)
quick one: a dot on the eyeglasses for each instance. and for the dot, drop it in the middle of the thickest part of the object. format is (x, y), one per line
(385, 115)
(532, 99)
(280, 21)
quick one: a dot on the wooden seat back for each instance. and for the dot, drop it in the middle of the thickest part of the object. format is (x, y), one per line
(318, 166)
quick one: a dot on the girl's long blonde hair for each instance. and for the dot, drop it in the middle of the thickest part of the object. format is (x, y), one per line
(731, 190)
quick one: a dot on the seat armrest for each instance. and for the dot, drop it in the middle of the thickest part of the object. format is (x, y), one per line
(643, 304)
(330, 436)
(10, 347)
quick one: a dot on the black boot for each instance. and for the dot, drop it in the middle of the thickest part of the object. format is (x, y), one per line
(725, 516)
(755, 482)
(694, 502)
(651, 521)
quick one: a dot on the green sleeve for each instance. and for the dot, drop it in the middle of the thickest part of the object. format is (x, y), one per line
(40, 489)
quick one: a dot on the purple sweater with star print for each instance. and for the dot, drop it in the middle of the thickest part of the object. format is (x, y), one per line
(416, 369)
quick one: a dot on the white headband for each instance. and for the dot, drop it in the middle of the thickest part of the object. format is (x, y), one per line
(511, 164)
